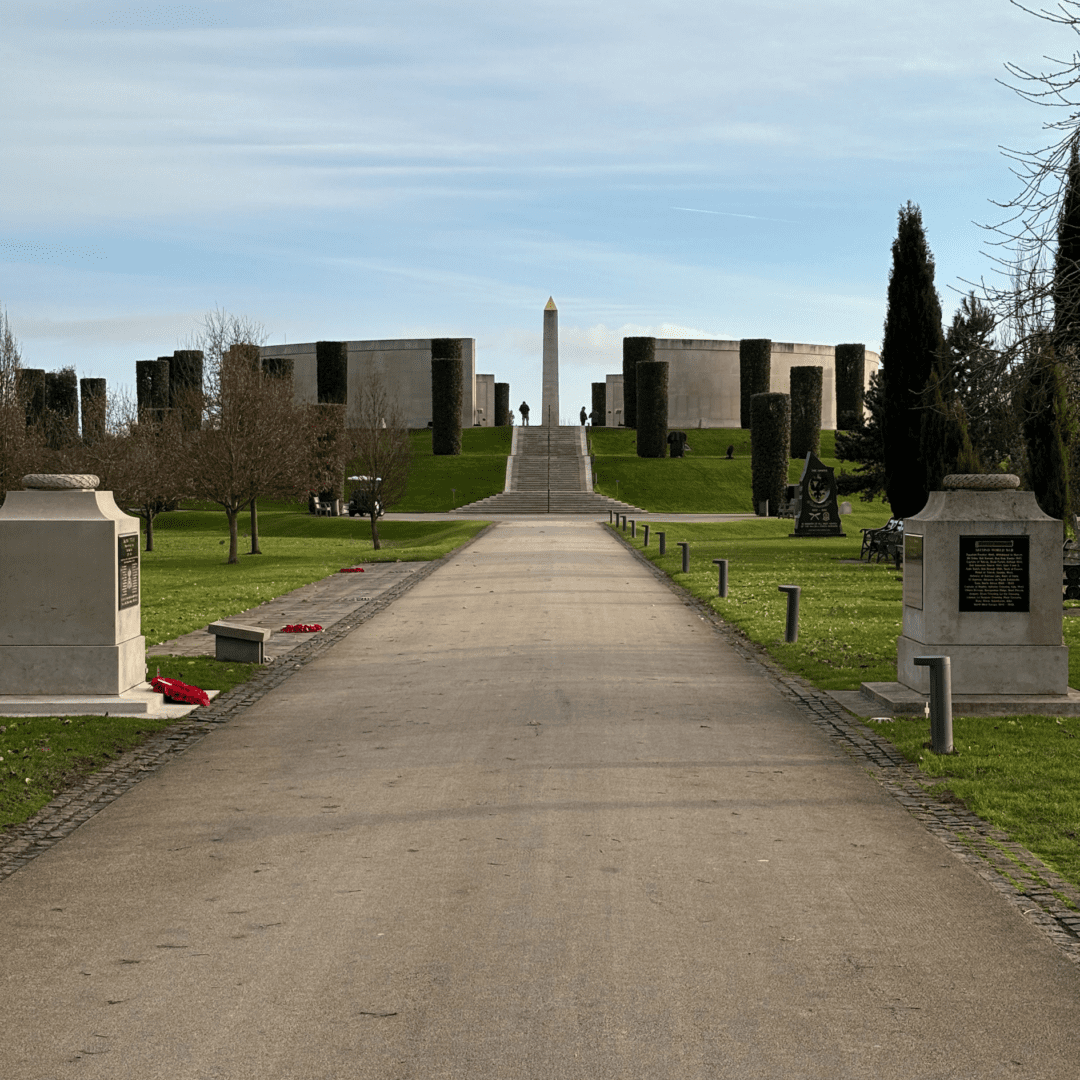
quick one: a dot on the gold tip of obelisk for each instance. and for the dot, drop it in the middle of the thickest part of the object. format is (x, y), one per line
(550, 305)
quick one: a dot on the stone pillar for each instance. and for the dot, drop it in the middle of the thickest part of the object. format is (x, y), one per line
(549, 416)
(71, 620)
(982, 585)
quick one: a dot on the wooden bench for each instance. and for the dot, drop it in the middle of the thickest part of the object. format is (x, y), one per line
(238, 643)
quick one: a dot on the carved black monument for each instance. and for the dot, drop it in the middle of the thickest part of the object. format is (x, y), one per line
(816, 510)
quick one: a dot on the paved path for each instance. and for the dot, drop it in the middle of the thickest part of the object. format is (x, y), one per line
(535, 819)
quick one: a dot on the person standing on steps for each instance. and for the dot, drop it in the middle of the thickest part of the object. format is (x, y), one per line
(523, 408)
(584, 415)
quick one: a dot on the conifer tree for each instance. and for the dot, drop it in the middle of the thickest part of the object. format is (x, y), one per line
(912, 341)
(1047, 427)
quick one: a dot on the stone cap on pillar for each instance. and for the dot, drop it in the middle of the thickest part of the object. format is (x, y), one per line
(60, 482)
(981, 482)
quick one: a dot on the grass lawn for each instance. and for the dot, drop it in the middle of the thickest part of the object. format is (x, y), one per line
(41, 755)
(703, 482)
(1021, 773)
(186, 582)
(445, 482)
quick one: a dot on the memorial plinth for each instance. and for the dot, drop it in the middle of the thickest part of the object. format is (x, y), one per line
(70, 619)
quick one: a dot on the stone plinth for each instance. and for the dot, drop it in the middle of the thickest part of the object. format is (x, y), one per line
(70, 618)
(982, 585)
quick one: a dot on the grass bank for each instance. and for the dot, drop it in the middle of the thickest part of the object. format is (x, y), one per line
(445, 482)
(703, 482)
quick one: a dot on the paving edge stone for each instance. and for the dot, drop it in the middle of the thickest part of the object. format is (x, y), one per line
(1040, 894)
(67, 811)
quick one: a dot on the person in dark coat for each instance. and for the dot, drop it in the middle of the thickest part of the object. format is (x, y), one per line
(584, 415)
(523, 408)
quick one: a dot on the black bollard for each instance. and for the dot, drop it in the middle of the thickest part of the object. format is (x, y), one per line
(722, 564)
(685, 545)
(610, 516)
(645, 542)
(663, 542)
(791, 629)
(940, 701)
(624, 523)
(633, 528)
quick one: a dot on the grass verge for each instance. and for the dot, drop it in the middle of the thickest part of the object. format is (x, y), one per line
(445, 482)
(42, 755)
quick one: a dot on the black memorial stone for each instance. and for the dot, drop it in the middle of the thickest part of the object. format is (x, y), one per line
(817, 512)
(995, 573)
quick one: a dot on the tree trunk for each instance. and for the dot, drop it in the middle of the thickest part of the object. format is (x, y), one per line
(149, 515)
(255, 549)
(232, 515)
(375, 530)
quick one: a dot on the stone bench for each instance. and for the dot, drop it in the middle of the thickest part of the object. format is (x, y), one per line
(242, 644)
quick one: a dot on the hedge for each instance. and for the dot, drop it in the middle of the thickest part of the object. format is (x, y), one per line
(806, 383)
(446, 395)
(61, 407)
(634, 351)
(850, 376)
(144, 387)
(599, 404)
(770, 428)
(93, 395)
(160, 387)
(652, 408)
(278, 367)
(502, 404)
(332, 372)
(31, 387)
(755, 369)
(185, 386)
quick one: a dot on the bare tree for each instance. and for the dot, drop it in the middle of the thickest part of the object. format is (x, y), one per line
(254, 440)
(381, 449)
(21, 445)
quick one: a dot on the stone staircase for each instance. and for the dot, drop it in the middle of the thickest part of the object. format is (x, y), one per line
(548, 473)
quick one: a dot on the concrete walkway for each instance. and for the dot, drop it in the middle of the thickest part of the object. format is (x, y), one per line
(535, 819)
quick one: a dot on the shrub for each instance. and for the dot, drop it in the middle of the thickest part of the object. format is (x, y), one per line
(850, 376)
(446, 395)
(755, 369)
(599, 404)
(634, 351)
(806, 383)
(332, 371)
(652, 408)
(502, 404)
(770, 428)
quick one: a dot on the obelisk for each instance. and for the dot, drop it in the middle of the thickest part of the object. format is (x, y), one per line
(550, 415)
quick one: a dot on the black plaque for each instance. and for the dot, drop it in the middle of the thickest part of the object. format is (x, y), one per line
(995, 573)
(127, 564)
(913, 571)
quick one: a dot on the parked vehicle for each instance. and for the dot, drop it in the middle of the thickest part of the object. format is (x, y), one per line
(358, 503)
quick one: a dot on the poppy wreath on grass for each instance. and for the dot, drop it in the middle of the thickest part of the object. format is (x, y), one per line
(351, 570)
(178, 692)
(300, 628)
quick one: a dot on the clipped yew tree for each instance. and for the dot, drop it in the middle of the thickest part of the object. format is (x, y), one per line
(502, 404)
(332, 372)
(446, 395)
(770, 429)
(652, 408)
(634, 351)
(278, 367)
(755, 370)
(61, 408)
(186, 387)
(850, 379)
(806, 383)
(599, 404)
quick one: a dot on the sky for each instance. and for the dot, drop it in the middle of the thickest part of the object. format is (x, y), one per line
(348, 170)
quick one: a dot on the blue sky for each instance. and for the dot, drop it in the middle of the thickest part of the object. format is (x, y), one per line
(351, 170)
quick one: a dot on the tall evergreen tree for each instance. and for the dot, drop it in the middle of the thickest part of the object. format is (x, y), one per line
(865, 445)
(1067, 269)
(945, 444)
(1045, 412)
(911, 342)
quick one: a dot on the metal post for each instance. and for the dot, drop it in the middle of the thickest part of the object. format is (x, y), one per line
(645, 543)
(663, 542)
(624, 523)
(610, 516)
(940, 701)
(685, 545)
(791, 629)
(633, 527)
(722, 564)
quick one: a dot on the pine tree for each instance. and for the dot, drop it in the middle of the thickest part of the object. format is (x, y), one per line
(911, 342)
(1046, 423)
(1067, 270)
